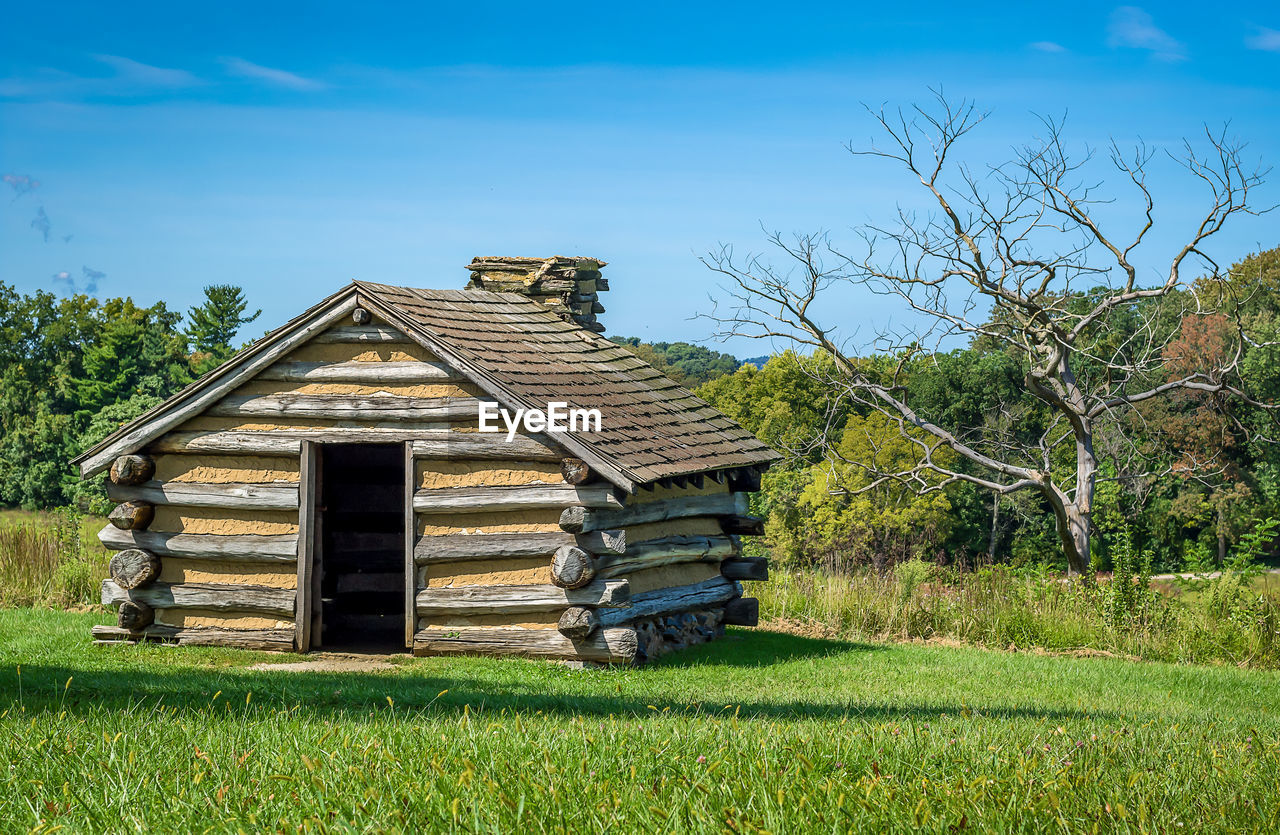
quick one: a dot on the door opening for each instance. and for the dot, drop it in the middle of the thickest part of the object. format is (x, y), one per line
(361, 553)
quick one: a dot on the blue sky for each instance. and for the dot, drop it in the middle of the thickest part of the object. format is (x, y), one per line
(290, 148)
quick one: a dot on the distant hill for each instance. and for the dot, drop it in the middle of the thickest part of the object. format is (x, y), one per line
(689, 365)
(758, 362)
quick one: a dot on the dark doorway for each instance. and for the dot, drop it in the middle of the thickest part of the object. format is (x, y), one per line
(362, 575)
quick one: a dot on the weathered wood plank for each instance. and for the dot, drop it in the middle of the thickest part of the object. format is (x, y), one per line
(582, 520)
(347, 407)
(746, 568)
(363, 373)
(275, 640)
(248, 443)
(497, 546)
(308, 504)
(217, 598)
(247, 547)
(485, 446)
(433, 440)
(241, 496)
(650, 604)
(359, 334)
(201, 394)
(479, 600)
(616, 646)
(527, 497)
(670, 551)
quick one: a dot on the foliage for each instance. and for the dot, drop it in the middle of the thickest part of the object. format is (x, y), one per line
(215, 323)
(72, 370)
(759, 732)
(689, 365)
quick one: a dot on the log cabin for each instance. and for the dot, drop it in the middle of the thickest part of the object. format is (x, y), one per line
(330, 486)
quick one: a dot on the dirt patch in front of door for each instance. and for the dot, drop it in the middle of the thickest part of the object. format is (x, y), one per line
(331, 662)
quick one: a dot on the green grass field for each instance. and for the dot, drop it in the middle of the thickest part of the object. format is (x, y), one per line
(761, 731)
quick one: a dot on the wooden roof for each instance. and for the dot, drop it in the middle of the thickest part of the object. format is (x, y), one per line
(523, 354)
(651, 427)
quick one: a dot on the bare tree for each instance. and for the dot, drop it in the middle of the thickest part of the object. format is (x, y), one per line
(1016, 257)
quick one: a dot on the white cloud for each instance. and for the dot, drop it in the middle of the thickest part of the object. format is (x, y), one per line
(270, 75)
(128, 78)
(146, 75)
(1267, 40)
(1131, 27)
(1047, 46)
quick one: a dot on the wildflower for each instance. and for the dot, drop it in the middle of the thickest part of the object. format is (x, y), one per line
(1093, 737)
(839, 765)
(1046, 746)
(701, 758)
(1079, 744)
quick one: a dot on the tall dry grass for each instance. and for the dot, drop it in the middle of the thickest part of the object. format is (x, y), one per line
(1228, 621)
(50, 559)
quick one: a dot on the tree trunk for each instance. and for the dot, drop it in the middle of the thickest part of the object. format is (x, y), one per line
(1073, 530)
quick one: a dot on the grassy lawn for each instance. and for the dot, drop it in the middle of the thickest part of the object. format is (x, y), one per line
(762, 731)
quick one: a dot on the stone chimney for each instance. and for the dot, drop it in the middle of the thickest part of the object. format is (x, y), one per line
(571, 285)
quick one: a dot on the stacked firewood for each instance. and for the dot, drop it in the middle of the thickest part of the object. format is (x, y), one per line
(573, 284)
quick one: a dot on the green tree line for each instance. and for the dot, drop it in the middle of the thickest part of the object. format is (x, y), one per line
(74, 369)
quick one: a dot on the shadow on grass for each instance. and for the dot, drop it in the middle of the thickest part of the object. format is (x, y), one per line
(760, 648)
(443, 687)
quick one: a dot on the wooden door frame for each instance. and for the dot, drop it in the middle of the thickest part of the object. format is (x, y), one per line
(308, 540)
(410, 537)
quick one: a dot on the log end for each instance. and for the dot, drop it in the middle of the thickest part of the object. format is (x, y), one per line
(135, 615)
(572, 567)
(745, 568)
(577, 622)
(575, 471)
(132, 515)
(573, 519)
(743, 525)
(743, 611)
(129, 470)
(134, 567)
